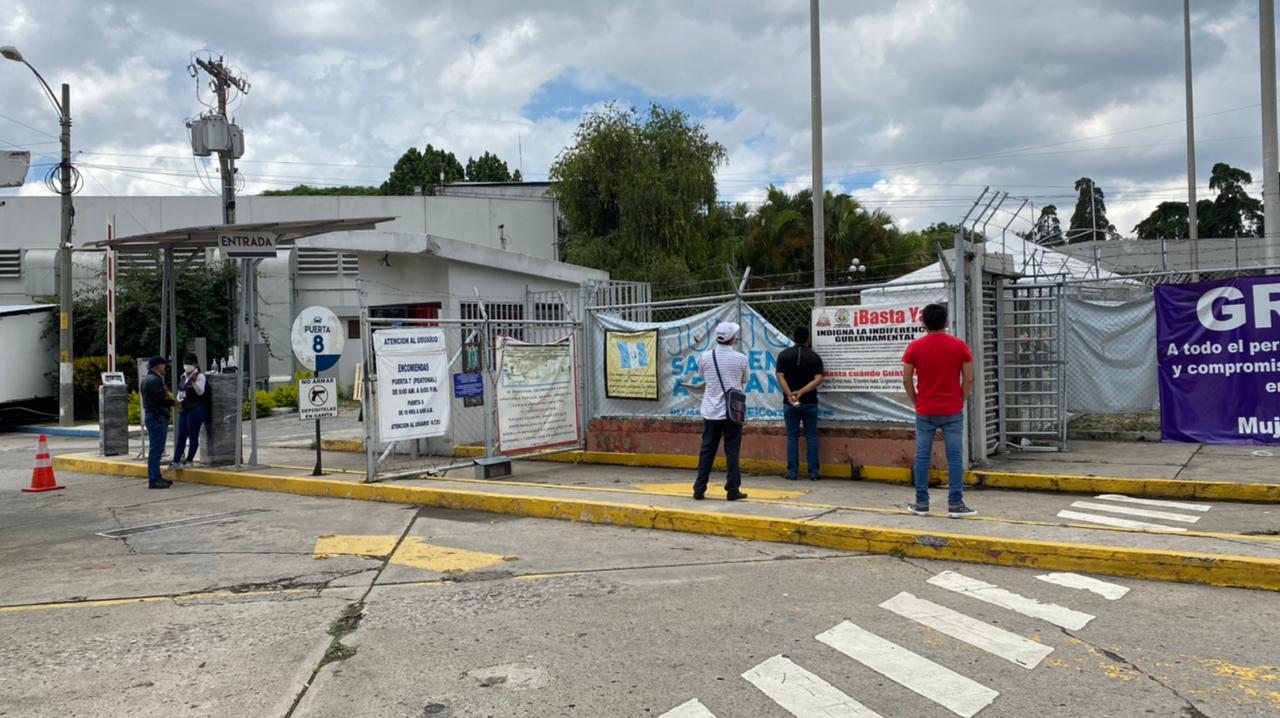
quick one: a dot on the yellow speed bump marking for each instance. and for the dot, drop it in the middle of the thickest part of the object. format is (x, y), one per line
(716, 492)
(413, 552)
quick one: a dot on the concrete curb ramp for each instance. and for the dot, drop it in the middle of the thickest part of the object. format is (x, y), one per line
(1214, 569)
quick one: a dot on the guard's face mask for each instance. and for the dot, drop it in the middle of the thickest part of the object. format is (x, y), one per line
(189, 367)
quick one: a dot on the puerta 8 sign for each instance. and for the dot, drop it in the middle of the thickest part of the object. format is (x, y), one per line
(317, 338)
(1219, 359)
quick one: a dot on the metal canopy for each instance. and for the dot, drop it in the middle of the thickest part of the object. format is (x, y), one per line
(171, 242)
(207, 236)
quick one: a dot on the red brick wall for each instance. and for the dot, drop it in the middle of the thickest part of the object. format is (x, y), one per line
(857, 446)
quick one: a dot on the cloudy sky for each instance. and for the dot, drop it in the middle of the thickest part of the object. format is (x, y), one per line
(925, 101)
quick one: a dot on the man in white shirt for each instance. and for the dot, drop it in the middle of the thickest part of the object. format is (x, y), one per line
(732, 374)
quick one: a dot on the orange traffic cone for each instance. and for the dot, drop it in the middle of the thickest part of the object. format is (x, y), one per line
(42, 478)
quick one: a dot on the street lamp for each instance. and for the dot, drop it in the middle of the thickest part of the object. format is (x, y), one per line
(66, 402)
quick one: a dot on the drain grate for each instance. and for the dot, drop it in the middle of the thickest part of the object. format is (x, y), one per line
(193, 521)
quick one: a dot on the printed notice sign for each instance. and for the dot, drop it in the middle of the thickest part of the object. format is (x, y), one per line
(413, 383)
(861, 347)
(630, 365)
(537, 395)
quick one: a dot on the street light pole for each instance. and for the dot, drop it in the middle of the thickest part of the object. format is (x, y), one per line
(1270, 152)
(1193, 221)
(66, 399)
(819, 215)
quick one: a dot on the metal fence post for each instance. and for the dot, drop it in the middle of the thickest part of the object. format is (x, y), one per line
(368, 407)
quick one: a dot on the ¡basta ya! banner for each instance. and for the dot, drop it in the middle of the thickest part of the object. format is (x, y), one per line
(861, 347)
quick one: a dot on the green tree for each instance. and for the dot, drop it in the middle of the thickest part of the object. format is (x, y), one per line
(206, 308)
(426, 169)
(488, 168)
(1234, 213)
(303, 190)
(1048, 228)
(637, 192)
(1089, 220)
(1169, 221)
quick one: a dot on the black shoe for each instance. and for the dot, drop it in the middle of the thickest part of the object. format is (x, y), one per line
(160, 485)
(960, 511)
(699, 495)
(918, 509)
(735, 496)
(793, 478)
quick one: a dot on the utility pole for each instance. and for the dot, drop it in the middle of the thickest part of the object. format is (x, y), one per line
(819, 217)
(66, 395)
(1193, 221)
(222, 81)
(1270, 158)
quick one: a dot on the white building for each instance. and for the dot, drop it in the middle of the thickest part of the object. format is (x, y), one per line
(498, 239)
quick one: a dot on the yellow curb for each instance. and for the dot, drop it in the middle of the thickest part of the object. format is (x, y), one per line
(1150, 488)
(1218, 570)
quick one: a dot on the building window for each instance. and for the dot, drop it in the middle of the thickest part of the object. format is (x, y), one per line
(548, 312)
(10, 263)
(504, 319)
(353, 328)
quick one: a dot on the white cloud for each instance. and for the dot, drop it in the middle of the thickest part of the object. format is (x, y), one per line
(927, 100)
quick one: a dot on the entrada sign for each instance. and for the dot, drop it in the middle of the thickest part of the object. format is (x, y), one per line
(247, 245)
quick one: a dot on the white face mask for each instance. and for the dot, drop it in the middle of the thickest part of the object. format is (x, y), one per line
(189, 367)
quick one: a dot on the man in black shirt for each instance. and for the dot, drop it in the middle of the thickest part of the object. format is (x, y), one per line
(800, 375)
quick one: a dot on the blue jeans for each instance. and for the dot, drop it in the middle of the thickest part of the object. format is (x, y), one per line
(952, 428)
(794, 417)
(189, 423)
(157, 424)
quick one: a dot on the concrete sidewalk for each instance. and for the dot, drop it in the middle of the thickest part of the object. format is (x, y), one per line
(1228, 544)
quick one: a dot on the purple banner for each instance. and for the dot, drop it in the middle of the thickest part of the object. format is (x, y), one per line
(1219, 357)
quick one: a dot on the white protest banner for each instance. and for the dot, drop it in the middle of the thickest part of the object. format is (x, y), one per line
(861, 347)
(413, 383)
(537, 395)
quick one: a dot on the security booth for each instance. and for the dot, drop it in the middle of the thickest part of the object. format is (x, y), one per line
(248, 244)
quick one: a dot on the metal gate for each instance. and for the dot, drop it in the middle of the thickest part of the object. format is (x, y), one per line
(1031, 367)
(990, 379)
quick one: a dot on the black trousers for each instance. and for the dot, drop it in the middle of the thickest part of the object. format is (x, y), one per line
(712, 432)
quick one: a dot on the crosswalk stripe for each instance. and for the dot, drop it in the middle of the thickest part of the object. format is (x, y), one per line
(1117, 522)
(801, 693)
(1106, 589)
(1154, 502)
(960, 695)
(993, 640)
(1145, 513)
(990, 593)
(691, 709)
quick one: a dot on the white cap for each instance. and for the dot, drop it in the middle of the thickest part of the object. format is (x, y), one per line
(726, 332)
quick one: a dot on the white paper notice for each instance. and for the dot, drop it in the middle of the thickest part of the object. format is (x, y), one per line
(413, 383)
(537, 395)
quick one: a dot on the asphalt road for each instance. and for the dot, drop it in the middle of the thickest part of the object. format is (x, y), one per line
(264, 604)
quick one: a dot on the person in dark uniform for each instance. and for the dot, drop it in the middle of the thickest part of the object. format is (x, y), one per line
(800, 374)
(156, 403)
(193, 411)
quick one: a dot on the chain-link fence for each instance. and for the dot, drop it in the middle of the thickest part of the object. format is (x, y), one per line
(472, 349)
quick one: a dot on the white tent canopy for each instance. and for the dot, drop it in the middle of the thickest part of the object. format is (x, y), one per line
(928, 284)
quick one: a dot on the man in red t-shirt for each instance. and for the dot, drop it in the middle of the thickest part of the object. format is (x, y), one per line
(937, 373)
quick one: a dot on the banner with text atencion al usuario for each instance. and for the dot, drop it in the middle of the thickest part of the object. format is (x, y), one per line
(413, 383)
(861, 347)
(1219, 355)
(537, 395)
